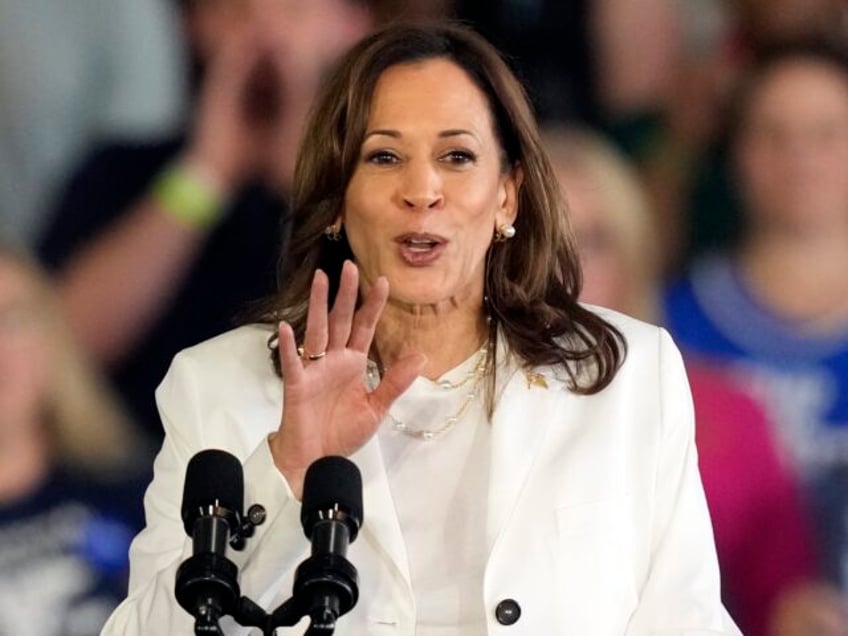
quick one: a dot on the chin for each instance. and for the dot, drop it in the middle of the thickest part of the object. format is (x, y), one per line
(417, 293)
(431, 286)
(416, 298)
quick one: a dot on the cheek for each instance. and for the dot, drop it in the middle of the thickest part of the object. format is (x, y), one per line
(479, 239)
(758, 169)
(24, 374)
(362, 223)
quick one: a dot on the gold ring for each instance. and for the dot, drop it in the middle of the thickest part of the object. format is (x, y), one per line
(301, 351)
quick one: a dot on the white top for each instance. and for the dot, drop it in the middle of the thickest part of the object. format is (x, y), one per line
(595, 521)
(439, 491)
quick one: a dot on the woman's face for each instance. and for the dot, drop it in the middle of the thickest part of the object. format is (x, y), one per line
(24, 368)
(793, 149)
(429, 190)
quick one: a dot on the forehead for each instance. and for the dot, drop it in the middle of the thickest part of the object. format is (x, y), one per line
(798, 85)
(434, 93)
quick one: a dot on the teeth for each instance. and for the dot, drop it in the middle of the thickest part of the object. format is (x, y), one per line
(420, 243)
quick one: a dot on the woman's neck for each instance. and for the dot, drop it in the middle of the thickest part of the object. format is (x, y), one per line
(802, 276)
(446, 335)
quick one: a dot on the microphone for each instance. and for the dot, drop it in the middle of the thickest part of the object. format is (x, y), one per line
(331, 515)
(213, 500)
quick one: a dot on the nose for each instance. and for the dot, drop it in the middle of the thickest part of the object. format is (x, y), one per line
(421, 187)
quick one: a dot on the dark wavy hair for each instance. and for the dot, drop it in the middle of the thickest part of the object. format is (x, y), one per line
(531, 281)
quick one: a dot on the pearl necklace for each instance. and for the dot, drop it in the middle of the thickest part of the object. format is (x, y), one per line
(473, 377)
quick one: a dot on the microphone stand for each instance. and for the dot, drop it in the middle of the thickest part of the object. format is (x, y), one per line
(207, 582)
(325, 587)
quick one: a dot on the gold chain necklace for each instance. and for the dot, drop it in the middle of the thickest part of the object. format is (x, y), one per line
(472, 376)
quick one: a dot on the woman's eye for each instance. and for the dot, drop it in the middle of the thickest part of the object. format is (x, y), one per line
(459, 157)
(381, 157)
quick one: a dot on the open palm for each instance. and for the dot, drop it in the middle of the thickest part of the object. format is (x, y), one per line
(327, 409)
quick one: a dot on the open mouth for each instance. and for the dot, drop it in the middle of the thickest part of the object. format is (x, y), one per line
(420, 249)
(420, 242)
(420, 245)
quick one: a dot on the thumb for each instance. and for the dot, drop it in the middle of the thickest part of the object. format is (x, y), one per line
(398, 379)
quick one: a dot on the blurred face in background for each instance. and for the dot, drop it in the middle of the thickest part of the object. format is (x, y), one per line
(610, 214)
(24, 350)
(601, 256)
(792, 149)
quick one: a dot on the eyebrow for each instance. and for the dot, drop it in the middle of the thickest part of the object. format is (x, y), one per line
(451, 132)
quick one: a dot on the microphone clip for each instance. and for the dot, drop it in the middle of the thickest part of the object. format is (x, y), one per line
(245, 527)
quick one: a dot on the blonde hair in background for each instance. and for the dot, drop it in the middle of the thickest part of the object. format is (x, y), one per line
(624, 205)
(86, 428)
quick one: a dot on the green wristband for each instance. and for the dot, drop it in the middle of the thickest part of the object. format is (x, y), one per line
(187, 196)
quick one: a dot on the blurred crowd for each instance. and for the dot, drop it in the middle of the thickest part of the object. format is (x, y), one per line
(146, 153)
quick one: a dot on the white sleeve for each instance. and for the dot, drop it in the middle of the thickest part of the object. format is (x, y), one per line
(162, 545)
(681, 596)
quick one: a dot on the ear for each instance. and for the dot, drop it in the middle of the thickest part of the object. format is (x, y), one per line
(510, 187)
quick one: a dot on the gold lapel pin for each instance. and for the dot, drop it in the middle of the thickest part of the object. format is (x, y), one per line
(535, 379)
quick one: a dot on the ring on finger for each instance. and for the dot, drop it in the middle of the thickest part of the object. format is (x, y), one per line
(301, 351)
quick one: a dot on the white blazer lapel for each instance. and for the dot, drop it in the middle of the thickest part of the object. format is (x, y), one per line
(519, 427)
(381, 527)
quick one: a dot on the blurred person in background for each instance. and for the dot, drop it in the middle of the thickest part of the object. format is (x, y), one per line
(159, 246)
(763, 535)
(673, 126)
(73, 74)
(69, 470)
(775, 308)
(547, 42)
(576, 56)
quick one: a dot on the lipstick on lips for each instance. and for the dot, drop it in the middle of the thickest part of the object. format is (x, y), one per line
(420, 249)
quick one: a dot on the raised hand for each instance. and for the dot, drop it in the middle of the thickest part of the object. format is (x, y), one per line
(327, 409)
(226, 143)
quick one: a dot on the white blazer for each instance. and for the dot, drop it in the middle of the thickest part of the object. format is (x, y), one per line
(597, 523)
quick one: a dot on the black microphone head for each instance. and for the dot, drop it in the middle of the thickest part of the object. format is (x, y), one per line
(213, 477)
(332, 482)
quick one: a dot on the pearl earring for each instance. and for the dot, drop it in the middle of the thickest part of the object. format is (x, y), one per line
(504, 232)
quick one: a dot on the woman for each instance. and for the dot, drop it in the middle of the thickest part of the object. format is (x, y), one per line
(775, 308)
(67, 492)
(518, 470)
(765, 575)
